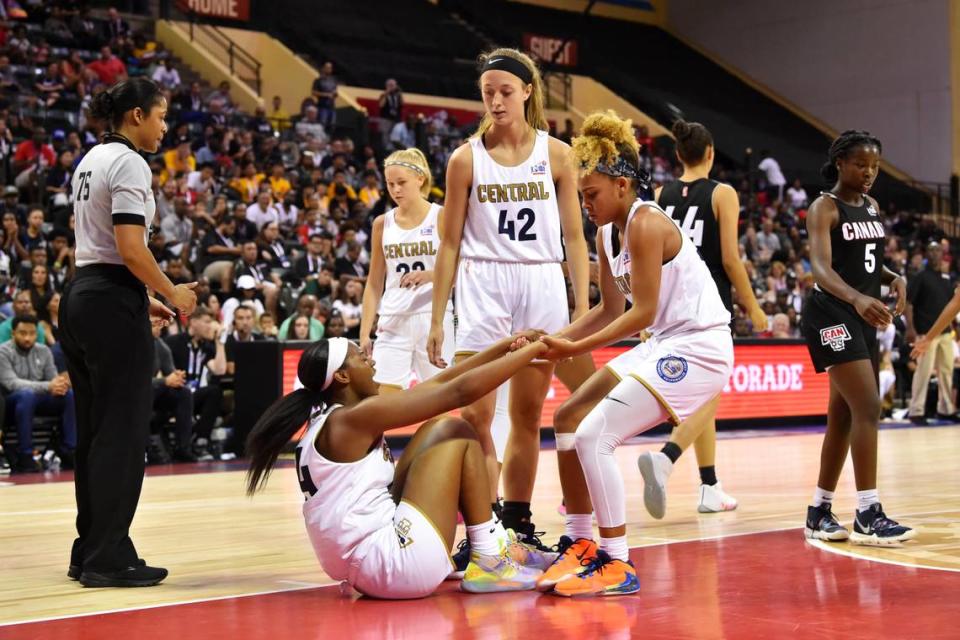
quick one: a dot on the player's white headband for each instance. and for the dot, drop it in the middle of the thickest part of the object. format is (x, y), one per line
(337, 349)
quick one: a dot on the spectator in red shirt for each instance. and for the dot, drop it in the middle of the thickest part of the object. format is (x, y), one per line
(32, 158)
(108, 67)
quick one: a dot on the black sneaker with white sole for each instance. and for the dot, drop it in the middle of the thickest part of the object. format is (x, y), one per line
(460, 560)
(823, 525)
(872, 527)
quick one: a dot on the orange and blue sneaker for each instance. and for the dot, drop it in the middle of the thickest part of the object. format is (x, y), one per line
(603, 577)
(489, 574)
(574, 558)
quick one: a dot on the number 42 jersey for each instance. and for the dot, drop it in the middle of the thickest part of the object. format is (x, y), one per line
(512, 214)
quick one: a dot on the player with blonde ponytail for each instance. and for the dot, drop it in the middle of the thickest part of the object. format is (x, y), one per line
(510, 192)
(400, 284)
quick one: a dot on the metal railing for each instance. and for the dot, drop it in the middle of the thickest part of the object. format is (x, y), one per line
(242, 64)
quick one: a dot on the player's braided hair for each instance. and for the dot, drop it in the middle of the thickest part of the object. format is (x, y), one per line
(841, 147)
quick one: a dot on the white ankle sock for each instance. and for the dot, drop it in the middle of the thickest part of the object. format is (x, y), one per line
(579, 525)
(821, 497)
(867, 498)
(483, 537)
(616, 547)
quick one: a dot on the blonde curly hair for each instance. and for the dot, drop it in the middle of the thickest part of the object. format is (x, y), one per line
(604, 137)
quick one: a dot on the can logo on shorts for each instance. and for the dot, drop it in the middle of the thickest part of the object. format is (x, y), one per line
(672, 368)
(836, 337)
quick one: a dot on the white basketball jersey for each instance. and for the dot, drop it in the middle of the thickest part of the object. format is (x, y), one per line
(346, 502)
(688, 300)
(406, 250)
(512, 214)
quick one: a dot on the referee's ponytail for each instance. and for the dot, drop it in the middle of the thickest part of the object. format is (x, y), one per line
(110, 105)
(277, 426)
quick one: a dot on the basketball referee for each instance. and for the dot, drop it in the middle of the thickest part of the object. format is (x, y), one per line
(105, 321)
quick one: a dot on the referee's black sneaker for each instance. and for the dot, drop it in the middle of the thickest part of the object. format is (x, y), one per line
(74, 570)
(823, 525)
(872, 527)
(135, 576)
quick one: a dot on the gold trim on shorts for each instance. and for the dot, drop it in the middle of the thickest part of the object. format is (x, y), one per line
(453, 566)
(457, 354)
(656, 394)
(615, 374)
(391, 386)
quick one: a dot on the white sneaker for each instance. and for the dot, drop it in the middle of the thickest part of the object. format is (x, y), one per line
(655, 467)
(714, 500)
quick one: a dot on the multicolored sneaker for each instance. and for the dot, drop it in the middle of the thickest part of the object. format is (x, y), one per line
(604, 576)
(488, 574)
(873, 528)
(531, 555)
(713, 499)
(823, 525)
(574, 557)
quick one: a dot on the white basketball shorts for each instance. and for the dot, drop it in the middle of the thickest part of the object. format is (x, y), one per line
(400, 351)
(497, 299)
(408, 559)
(683, 372)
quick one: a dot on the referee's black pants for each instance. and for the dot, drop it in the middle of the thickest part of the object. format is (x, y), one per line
(106, 337)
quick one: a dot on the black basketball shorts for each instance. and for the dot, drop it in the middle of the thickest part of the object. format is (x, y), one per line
(835, 332)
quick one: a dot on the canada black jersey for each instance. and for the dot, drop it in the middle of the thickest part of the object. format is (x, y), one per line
(857, 244)
(690, 204)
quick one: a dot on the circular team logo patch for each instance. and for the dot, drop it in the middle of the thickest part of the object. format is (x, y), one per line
(672, 368)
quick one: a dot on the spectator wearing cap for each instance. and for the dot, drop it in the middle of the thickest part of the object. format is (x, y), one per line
(166, 76)
(179, 160)
(250, 264)
(306, 306)
(108, 68)
(29, 375)
(246, 293)
(11, 203)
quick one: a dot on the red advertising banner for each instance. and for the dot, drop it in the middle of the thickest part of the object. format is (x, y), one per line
(546, 48)
(226, 9)
(768, 381)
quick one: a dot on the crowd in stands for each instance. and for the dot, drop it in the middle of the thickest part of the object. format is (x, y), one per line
(270, 213)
